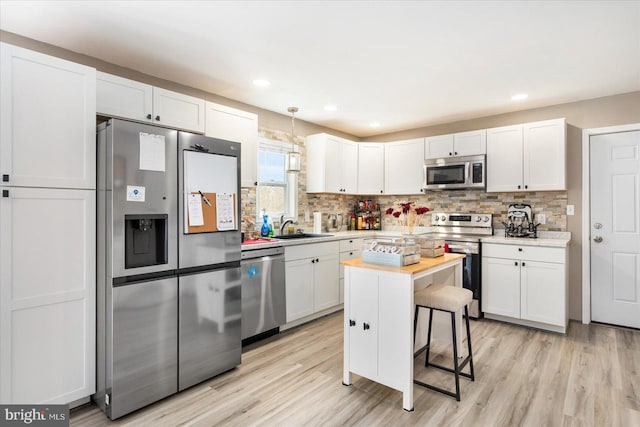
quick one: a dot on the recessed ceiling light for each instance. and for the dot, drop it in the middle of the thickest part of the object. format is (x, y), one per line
(519, 96)
(330, 107)
(374, 124)
(261, 83)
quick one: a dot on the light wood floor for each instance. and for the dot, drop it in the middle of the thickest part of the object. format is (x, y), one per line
(591, 377)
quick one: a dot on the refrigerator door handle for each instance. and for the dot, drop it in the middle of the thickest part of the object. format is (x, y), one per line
(199, 147)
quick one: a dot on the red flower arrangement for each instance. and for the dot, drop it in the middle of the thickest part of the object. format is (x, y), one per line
(409, 212)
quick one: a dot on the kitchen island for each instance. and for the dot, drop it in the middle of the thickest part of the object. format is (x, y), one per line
(378, 318)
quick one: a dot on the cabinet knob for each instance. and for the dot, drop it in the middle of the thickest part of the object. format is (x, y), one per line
(352, 322)
(365, 326)
(455, 152)
(523, 264)
(451, 154)
(317, 259)
(350, 253)
(381, 191)
(518, 187)
(255, 183)
(149, 116)
(519, 249)
(515, 263)
(313, 261)
(158, 118)
(422, 190)
(526, 186)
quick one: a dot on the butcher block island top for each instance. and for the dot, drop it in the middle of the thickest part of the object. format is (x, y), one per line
(419, 267)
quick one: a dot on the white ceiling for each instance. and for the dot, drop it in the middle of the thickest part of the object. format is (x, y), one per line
(403, 64)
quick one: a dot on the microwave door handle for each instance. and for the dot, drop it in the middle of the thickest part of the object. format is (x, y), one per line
(468, 178)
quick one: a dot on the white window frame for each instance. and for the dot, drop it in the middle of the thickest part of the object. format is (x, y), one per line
(290, 184)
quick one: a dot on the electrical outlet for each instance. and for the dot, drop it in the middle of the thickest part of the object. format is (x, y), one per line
(542, 218)
(307, 217)
(571, 210)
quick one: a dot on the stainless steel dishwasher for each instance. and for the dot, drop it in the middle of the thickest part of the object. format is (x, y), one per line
(263, 292)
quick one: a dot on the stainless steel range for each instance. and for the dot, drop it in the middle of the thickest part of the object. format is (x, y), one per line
(462, 233)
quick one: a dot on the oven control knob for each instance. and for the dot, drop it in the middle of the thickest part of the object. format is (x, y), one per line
(437, 218)
(486, 219)
(443, 218)
(478, 219)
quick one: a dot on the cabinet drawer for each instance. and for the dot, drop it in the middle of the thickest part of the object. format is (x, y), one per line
(345, 256)
(524, 252)
(351, 245)
(310, 250)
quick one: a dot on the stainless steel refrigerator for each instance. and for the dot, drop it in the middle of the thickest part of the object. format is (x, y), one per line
(169, 293)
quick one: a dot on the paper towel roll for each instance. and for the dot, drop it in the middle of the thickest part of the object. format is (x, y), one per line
(317, 222)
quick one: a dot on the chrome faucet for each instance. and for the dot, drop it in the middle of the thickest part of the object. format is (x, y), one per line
(284, 221)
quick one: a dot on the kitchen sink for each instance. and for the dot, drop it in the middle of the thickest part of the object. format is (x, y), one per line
(302, 236)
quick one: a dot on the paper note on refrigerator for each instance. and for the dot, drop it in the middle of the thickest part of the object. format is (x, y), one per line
(152, 152)
(195, 210)
(226, 211)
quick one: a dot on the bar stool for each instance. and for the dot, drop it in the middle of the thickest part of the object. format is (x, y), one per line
(449, 299)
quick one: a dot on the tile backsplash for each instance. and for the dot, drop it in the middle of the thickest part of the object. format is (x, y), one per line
(553, 204)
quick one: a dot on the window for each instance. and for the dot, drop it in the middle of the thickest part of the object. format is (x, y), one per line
(277, 190)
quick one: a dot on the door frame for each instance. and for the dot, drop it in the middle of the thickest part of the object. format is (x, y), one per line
(586, 212)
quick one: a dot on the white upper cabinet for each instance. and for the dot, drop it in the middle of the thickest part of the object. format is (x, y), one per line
(128, 99)
(124, 98)
(370, 168)
(458, 144)
(403, 168)
(178, 111)
(528, 157)
(47, 121)
(545, 154)
(332, 164)
(239, 126)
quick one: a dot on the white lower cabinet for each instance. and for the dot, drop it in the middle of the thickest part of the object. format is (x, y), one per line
(312, 279)
(47, 295)
(525, 285)
(349, 249)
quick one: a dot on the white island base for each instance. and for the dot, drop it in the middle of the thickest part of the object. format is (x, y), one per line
(378, 319)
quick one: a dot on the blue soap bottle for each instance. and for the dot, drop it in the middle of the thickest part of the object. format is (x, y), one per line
(264, 231)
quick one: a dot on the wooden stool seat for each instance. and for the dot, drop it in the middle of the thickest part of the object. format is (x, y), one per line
(449, 299)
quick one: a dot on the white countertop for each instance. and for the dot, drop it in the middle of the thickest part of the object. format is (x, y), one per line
(549, 239)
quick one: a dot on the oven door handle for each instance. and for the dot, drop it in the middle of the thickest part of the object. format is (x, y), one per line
(462, 249)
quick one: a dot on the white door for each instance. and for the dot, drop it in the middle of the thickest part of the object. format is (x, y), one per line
(370, 168)
(501, 286)
(349, 167)
(404, 167)
(615, 228)
(177, 110)
(299, 288)
(120, 97)
(326, 282)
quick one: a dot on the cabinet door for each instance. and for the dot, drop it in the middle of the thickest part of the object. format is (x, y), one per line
(47, 295)
(326, 283)
(363, 311)
(404, 167)
(470, 143)
(545, 152)
(543, 297)
(239, 126)
(178, 111)
(349, 167)
(333, 181)
(504, 159)
(501, 286)
(299, 288)
(370, 168)
(439, 146)
(120, 97)
(47, 121)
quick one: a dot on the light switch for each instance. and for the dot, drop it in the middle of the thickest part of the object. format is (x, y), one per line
(541, 218)
(571, 210)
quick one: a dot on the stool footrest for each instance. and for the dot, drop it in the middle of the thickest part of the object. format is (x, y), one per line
(460, 367)
(438, 389)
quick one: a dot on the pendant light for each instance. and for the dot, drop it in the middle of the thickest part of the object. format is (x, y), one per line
(293, 158)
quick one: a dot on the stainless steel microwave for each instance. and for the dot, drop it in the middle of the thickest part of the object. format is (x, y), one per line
(452, 173)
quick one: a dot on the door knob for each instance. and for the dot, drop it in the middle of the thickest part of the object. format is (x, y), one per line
(597, 239)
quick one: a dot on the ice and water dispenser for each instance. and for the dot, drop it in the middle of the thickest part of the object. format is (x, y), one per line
(146, 240)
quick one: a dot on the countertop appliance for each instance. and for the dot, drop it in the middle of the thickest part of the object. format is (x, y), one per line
(169, 294)
(462, 233)
(453, 173)
(520, 221)
(263, 292)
